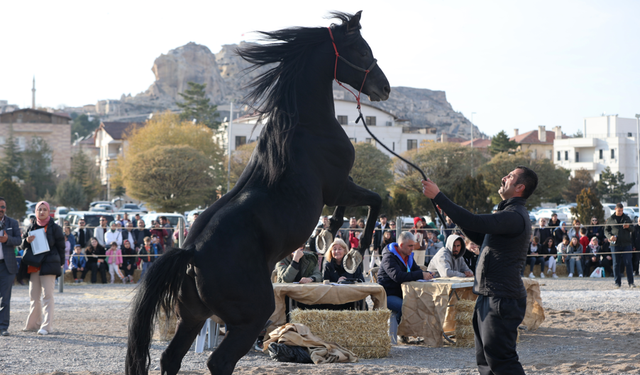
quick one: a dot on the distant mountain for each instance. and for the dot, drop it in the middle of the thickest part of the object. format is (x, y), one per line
(226, 77)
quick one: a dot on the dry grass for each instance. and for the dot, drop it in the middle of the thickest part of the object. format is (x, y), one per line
(464, 324)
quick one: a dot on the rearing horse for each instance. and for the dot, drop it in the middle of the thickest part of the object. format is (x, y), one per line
(301, 163)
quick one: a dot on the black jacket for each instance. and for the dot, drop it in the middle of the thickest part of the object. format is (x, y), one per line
(393, 273)
(54, 260)
(332, 271)
(503, 238)
(614, 227)
(88, 233)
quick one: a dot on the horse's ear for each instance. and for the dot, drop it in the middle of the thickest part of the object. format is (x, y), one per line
(354, 22)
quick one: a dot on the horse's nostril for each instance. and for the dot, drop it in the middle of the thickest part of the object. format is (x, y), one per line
(386, 89)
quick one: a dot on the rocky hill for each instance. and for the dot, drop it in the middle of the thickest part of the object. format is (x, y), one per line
(226, 77)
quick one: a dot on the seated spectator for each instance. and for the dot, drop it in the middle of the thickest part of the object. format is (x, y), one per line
(392, 229)
(449, 261)
(95, 254)
(160, 233)
(149, 252)
(301, 266)
(574, 261)
(548, 249)
(139, 234)
(606, 261)
(562, 249)
(129, 260)
(471, 255)
(574, 231)
(397, 267)
(78, 263)
(333, 269)
(534, 257)
(596, 230)
(113, 234)
(554, 222)
(593, 259)
(433, 245)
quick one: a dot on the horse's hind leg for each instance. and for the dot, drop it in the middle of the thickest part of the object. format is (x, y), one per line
(190, 322)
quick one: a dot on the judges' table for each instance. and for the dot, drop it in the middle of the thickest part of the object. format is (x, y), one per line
(428, 308)
(317, 293)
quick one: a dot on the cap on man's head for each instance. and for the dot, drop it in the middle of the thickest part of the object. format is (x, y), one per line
(77, 245)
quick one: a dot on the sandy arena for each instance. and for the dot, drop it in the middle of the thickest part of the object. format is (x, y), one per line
(590, 328)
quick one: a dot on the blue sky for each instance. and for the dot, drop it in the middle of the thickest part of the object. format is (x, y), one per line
(515, 64)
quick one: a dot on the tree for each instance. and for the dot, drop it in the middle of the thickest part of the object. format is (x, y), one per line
(14, 199)
(37, 167)
(581, 180)
(239, 160)
(588, 206)
(400, 204)
(83, 125)
(501, 143)
(11, 164)
(197, 106)
(164, 133)
(86, 174)
(612, 188)
(472, 194)
(551, 180)
(371, 170)
(70, 193)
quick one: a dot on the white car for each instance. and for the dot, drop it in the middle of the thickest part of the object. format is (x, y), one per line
(547, 212)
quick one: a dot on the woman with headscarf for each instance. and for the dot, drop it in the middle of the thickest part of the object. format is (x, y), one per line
(42, 277)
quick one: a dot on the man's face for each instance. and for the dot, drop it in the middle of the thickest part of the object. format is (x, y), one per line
(509, 184)
(141, 223)
(353, 222)
(137, 216)
(457, 246)
(619, 211)
(543, 222)
(383, 220)
(103, 222)
(129, 226)
(325, 221)
(81, 223)
(3, 209)
(554, 217)
(406, 248)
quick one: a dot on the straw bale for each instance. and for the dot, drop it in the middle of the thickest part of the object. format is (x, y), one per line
(464, 324)
(365, 333)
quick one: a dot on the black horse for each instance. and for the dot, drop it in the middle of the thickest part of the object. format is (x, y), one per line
(301, 163)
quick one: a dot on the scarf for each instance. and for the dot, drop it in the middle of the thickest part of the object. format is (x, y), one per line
(44, 222)
(393, 248)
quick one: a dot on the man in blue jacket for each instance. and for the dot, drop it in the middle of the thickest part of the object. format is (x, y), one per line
(397, 267)
(10, 237)
(502, 297)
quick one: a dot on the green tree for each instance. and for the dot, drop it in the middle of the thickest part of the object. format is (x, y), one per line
(14, 199)
(37, 167)
(197, 106)
(85, 173)
(588, 206)
(472, 194)
(371, 170)
(501, 143)
(239, 160)
(400, 204)
(582, 180)
(551, 180)
(83, 125)
(12, 163)
(70, 193)
(612, 188)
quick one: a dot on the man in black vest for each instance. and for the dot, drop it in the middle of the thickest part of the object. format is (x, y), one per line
(82, 234)
(9, 238)
(503, 238)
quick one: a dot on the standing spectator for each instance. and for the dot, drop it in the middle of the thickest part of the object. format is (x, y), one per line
(148, 253)
(95, 261)
(118, 220)
(595, 230)
(549, 250)
(392, 230)
(125, 220)
(139, 234)
(100, 231)
(160, 234)
(433, 245)
(114, 260)
(168, 239)
(574, 231)
(127, 233)
(9, 239)
(447, 228)
(129, 260)
(542, 232)
(380, 227)
(574, 261)
(354, 234)
(113, 234)
(635, 240)
(560, 232)
(42, 278)
(618, 230)
(534, 257)
(419, 233)
(593, 257)
(78, 263)
(82, 234)
(471, 255)
(136, 219)
(554, 222)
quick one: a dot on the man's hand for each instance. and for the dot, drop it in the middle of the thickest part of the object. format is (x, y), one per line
(4, 237)
(306, 280)
(342, 278)
(593, 259)
(429, 188)
(468, 274)
(625, 226)
(427, 275)
(297, 255)
(613, 238)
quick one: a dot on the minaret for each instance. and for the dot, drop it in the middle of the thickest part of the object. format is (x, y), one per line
(33, 94)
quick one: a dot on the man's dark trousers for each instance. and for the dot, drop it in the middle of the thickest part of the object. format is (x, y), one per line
(620, 261)
(6, 282)
(495, 324)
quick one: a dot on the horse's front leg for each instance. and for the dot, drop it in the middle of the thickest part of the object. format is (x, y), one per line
(336, 221)
(354, 196)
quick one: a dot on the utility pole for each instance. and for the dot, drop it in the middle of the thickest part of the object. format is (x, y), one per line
(229, 146)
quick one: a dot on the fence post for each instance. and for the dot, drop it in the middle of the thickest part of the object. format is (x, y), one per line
(180, 232)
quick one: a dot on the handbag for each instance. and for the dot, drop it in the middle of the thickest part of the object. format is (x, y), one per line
(33, 260)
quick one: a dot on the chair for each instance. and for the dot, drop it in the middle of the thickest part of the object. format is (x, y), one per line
(393, 328)
(209, 331)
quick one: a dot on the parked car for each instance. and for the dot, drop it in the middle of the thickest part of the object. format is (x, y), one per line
(547, 212)
(91, 218)
(61, 212)
(173, 218)
(631, 213)
(102, 208)
(131, 207)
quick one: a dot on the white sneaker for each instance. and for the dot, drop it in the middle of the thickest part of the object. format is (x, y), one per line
(580, 275)
(532, 276)
(549, 270)
(42, 332)
(542, 275)
(555, 276)
(570, 275)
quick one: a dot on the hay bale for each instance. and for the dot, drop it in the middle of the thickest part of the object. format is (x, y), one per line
(465, 337)
(365, 333)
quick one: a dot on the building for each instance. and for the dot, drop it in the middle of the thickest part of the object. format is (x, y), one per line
(537, 143)
(609, 141)
(54, 128)
(384, 125)
(109, 140)
(480, 144)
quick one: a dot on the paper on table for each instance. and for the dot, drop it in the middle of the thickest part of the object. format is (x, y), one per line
(40, 244)
(426, 281)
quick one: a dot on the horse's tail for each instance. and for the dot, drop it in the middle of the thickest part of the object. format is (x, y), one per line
(159, 288)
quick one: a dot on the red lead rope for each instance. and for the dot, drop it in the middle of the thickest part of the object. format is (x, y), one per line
(335, 70)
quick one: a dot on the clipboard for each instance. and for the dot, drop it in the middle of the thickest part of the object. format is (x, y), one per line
(40, 244)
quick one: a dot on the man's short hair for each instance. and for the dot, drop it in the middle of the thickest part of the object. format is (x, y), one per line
(2, 199)
(619, 205)
(405, 236)
(383, 216)
(529, 179)
(554, 214)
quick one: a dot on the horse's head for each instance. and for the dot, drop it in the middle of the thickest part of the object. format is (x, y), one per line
(356, 57)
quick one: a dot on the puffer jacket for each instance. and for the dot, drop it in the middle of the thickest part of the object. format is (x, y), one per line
(445, 264)
(55, 257)
(290, 271)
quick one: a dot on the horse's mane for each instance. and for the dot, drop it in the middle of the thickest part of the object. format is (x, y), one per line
(275, 89)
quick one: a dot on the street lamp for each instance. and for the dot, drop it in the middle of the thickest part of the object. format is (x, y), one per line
(472, 113)
(229, 146)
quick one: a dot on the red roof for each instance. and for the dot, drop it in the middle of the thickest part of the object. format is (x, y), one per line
(532, 137)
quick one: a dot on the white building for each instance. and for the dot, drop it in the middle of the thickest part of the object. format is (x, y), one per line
(609, 141)
(384, 125)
